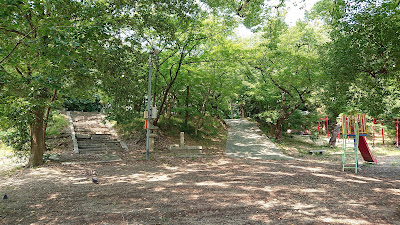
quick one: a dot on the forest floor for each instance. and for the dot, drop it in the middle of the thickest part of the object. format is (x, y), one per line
(209, 188)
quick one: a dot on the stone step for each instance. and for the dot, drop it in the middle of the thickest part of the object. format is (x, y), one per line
(93, 135)
(85, 118)
(82, 125)
(93, 130)
(102, 137)
(87, 151)
(89, 122)
(83, 136)
(99, 151)
(99, 145)
(111, 140)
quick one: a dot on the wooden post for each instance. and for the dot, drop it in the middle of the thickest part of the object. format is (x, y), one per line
(151, 142)
(182, 140)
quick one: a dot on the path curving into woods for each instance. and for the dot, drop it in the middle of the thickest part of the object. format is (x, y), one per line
(246, 140)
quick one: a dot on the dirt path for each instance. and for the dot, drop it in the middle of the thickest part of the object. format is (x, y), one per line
(246, 140)
(213, 190)
(202, 191)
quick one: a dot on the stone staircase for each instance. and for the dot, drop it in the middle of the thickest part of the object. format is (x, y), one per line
(92, 134)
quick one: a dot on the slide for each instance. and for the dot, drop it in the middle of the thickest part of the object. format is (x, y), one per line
(364, 149)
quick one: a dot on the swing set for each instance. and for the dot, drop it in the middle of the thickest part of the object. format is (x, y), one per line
(396, 121)
(321, 123)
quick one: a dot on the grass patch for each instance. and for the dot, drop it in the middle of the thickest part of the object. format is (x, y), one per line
(130, 129)
(300, 146)
(5, 151)
(56, 124)
(385, 150)
(9, 162)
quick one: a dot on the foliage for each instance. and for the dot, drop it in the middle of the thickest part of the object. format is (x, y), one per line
(47, 46)
(56, 124)
(286, 73)
(84, 105)
(363, 57)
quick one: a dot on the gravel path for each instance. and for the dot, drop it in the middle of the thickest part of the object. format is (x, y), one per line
(246, 140)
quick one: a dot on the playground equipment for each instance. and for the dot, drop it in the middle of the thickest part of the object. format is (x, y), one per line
(319, 125)
(373, 133)
(355, 126)
(397, 132)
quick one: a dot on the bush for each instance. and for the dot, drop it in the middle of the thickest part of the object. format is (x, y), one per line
(84, 105)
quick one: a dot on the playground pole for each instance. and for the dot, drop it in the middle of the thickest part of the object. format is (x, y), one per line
(319, 121)
(327, 128)
(373, 134)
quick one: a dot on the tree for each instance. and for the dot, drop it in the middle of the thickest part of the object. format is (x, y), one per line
(287, 70)
(362, 57)
(47, 46)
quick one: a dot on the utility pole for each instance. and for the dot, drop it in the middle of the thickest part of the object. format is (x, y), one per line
(148, 107)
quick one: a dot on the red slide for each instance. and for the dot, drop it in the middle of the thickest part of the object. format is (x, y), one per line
(364, 149)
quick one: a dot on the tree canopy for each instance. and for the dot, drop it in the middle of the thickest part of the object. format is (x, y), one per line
(343, 57)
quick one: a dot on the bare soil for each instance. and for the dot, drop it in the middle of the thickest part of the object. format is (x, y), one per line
(203, 189)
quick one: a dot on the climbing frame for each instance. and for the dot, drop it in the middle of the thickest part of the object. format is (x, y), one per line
(352, 126)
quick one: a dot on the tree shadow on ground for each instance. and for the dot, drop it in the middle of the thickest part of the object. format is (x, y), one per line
(202, 191)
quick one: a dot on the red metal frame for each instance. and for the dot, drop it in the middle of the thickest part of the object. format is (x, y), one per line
(373, 133)
(327, 127)
(397, 132)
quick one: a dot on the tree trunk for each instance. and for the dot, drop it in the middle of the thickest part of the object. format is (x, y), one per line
(169, 105)
(271, 129)
(199, 122)
(278, 130)
(221, 121)
(286, 111)
(46, 117)
(242, 111)
(332, 140)
(231, 106)
(187, 105)
(37, 139)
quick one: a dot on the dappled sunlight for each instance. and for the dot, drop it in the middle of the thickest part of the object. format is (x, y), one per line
(281, 173)
(139, 178)
(45, 171)
(341, 220)
(159, 189)
(267, 205)
(365, 178)
(392, 191)
(262, 190)
(171, 168)
(311, 169)
(212, 183)
(312, 190)
(300, 206)
(54, 196)
(341, 179)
